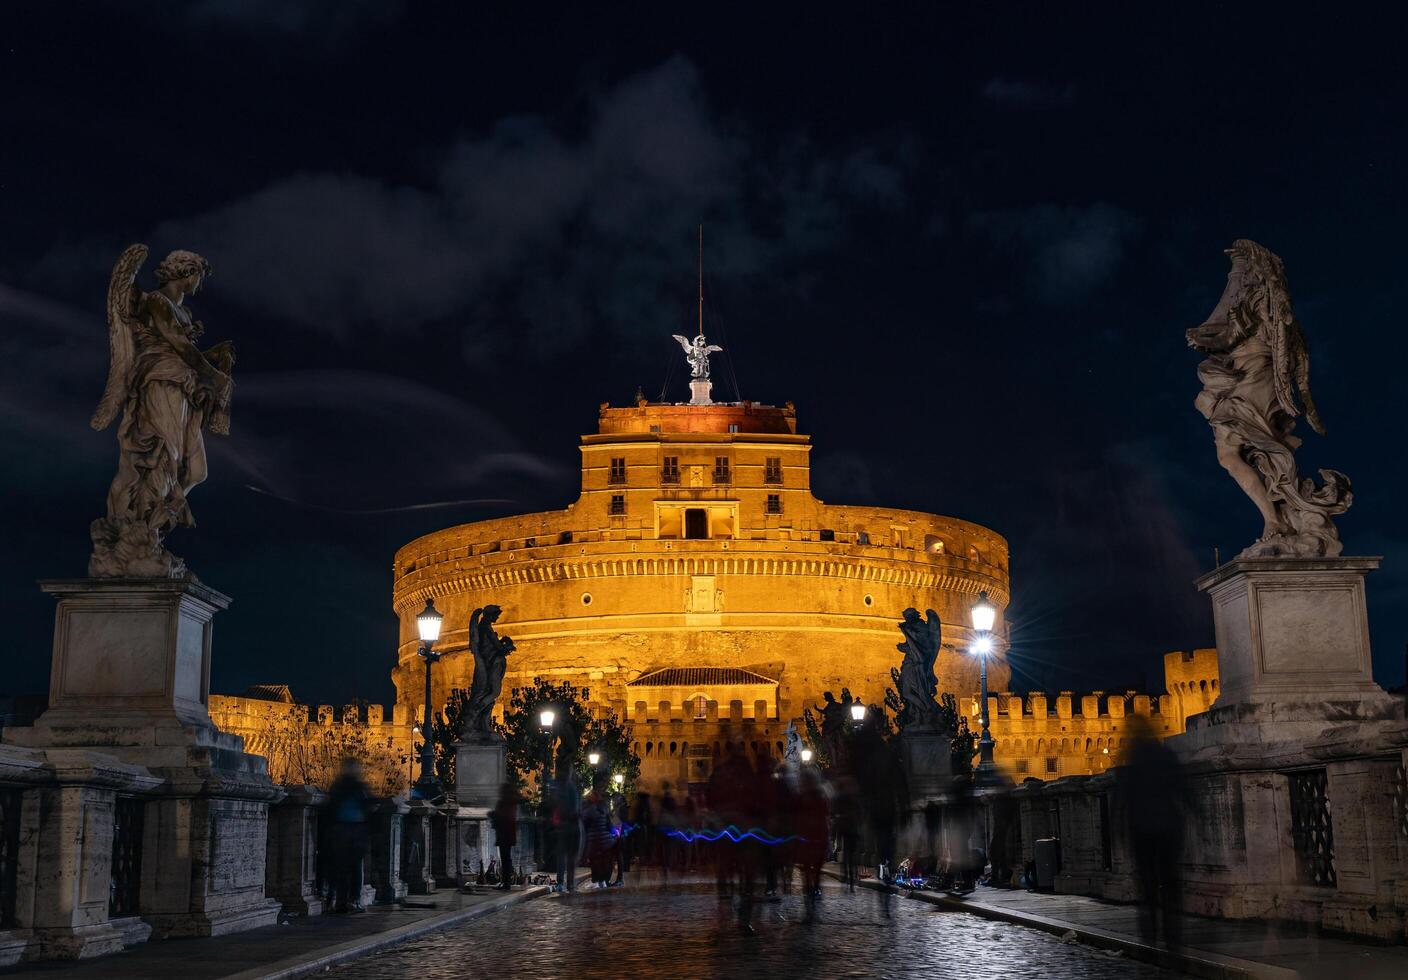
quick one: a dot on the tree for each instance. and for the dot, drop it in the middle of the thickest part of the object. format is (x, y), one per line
(445, 727)
(528, 744)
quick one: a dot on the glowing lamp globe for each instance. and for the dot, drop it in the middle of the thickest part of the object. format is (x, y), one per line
(428, 622)
(984, 614)
(806, 755)
(857, 712)
(546, 717)
(618, 779)
(982, 645)
(593, 758)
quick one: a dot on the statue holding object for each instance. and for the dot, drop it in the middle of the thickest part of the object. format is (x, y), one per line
(1257, 365)
(168, 391)
(915, 677)
(490, 653)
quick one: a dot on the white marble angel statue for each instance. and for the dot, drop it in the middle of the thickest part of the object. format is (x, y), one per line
(697, 352)
(1257, 365)
(167, 390)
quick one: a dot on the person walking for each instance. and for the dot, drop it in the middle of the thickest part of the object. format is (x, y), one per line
(1152, 783)
(596, 828)
(348, 807)
(504, 819)
(812, 825)
(567, 827)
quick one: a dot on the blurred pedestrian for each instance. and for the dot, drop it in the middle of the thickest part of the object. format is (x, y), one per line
(596, 829)
(812, 811)
(504, 819)
(348, 809)
(567, 826)
(1151, 782)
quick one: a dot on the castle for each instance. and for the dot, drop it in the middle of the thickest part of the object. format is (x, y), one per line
(699, 590)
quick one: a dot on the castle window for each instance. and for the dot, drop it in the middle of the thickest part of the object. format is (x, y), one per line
(862, 537)
(1023, 766)
(696, 523)
(733, 427)
(973, 554)
(701, 706)
(826, 535)
(618, 503)
(869, 599)
(565, 537)
(670, 470)
(586, 598)
(934, 544)
(721, 470)
(1053, 766)
(618, 470)
(655, 429)
(530, 542)
(774, 503)
(772, 470)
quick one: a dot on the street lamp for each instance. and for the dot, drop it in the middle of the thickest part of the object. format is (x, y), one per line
(593, 758)
(806, 756)
(427, 787)
(984, 615)
(619, 779)
(857, 712)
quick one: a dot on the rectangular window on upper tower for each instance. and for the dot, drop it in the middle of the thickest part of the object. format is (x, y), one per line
(670, 470)
(774, 503)
(696, 523)
(733, 427)
(772, 470)
(618, 470)
(721, 470)
(618, 503)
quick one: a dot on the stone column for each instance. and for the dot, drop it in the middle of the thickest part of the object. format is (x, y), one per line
(291, 861)
(928, 765)
(65, 866)
(416, 865)
(384, 870)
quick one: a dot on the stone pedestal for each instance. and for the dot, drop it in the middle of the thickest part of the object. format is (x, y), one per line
(928, 765)
(417, 867)
(291, 861)
(131, 678)
(1292, 649)
(480, 768)
(699, 390)
(385, 865)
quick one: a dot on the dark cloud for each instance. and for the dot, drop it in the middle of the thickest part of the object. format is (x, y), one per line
(322, 19)
(1064, 253)
(542, 226)
(1027, 94)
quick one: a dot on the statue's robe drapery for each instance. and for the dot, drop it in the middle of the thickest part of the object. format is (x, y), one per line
(162, 451)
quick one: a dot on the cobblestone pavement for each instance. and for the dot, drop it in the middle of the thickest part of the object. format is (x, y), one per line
(644, 931)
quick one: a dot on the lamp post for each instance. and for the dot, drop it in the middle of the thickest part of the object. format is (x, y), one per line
(806, 756)
(546, 717)
(984, 614)
(427, 787)
(857, 713)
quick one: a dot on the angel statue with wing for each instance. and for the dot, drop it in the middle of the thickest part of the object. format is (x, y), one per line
(490, 662)
(1257, 365)
(697, 353)
(168, 390)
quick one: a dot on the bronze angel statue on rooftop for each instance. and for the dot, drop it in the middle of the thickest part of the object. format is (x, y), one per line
(1256, 368)
(168, 391)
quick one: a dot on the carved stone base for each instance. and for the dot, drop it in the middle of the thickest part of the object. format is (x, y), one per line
(699, 390)
(480, 767)
(1293, 653)
(928, 765)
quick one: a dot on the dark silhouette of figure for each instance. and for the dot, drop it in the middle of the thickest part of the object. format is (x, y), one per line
(963, 864)
(846, 817)
(642, 839)
(567, 826)
(812, 810)
(620, 813)
(596, 829)
(349, 835)
(1151, 782)
(669, 827)
(504, 819)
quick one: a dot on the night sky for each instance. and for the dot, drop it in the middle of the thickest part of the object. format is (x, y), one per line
(965, 242)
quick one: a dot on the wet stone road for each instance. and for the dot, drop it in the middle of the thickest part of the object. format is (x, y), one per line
(643, 931)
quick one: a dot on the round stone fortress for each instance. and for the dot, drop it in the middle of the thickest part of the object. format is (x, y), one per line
(696, 577)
